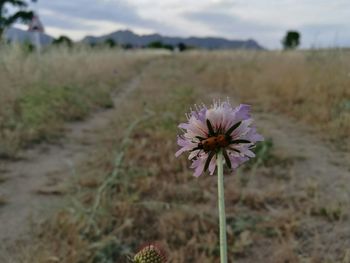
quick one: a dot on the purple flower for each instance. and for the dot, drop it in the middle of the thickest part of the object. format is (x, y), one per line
(221, 127)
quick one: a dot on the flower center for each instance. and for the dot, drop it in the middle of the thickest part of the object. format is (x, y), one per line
(215, 142)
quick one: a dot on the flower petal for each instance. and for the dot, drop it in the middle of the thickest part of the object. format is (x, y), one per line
(199, 166)
(212, 165)
(242, 112)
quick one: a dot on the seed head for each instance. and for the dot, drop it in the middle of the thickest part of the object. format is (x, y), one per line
(150, 253)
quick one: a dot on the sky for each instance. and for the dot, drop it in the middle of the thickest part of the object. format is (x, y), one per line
(322, 23)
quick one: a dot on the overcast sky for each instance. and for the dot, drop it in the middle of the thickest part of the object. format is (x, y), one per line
(322, 22)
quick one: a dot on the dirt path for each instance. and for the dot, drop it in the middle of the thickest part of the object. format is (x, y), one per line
(31, 186)
(40, 166)
(315, 160)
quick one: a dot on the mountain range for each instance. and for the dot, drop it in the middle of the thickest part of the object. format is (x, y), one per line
(124, 37)
(18, 35)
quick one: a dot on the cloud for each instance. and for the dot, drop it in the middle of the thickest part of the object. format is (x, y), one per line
(226, 23)
(325, 35)
(63, 21)
(99, 10)
(229, 25)
(321, 22)
(87, 15)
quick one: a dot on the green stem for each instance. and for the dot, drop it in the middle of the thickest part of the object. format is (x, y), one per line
(222, 216)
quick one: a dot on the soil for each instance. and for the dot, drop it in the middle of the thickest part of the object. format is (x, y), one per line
(33, 186)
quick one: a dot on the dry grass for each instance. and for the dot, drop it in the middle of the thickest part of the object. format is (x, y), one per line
(3, 201)
(312, 86)
(273, 216)
(39, 94)
(3, 179)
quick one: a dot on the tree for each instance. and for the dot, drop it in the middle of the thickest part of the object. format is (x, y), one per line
(159, 44)
(291, 40)
(110, 43)
(63, 40)
(127, 46)
(6, 19)
(182, 47)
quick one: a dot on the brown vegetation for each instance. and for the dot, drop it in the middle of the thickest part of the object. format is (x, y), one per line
(310, 86)
(133, 190)
(39, 94)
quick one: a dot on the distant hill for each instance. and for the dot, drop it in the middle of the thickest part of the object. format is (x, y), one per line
(18, 35)
(128, 37)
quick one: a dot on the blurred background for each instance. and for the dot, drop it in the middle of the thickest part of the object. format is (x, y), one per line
(91, 96)
(322, 24)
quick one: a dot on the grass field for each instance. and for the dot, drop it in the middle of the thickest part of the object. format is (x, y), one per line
(284, 206)
(39, 94)
(310, 86)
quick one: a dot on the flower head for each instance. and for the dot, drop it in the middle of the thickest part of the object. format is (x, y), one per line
(218, 128)
(150, 253)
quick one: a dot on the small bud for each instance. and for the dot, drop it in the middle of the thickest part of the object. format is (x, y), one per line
(150, 253)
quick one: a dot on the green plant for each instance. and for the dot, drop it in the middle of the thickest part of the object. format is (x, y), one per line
(63, 40)
(7, 19)
(291, 40)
